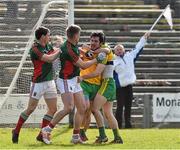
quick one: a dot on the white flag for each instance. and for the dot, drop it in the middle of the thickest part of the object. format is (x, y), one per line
(168, 16)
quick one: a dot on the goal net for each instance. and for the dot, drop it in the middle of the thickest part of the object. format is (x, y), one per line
(18, 21)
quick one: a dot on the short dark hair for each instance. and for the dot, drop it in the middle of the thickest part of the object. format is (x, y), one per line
(41, 31)
(72, 30)
(100, 35)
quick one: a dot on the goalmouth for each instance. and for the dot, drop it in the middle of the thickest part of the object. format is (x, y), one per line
(16, 74)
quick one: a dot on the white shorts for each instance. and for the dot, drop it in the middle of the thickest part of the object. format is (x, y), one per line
(47, 89)
(69, 85)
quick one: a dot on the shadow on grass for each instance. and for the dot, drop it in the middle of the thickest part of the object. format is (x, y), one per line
(68, 145)
(83, 145)
(61, 131)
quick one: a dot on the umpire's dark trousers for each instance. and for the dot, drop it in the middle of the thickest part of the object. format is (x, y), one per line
(124, 96)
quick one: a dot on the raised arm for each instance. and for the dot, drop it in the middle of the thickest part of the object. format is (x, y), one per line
(46, 57)
(140, 45)
(51, 57)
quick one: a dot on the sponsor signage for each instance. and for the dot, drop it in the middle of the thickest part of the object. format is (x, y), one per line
(166, 107)
(16, 104)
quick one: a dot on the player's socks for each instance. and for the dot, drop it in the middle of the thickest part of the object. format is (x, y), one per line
(15, 132)
(76, 137)
(51, 125)
(102, 133)
(83, 134)
(76, 131)
(116, 133)
(22, 118)
(117, 137)
(82, 131)
(102, 138)
(45, 121)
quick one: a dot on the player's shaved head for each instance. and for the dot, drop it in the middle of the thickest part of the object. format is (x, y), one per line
(119, 46)
(41, 31)
(119, 50)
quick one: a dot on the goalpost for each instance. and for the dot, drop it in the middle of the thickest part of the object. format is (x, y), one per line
(56, 15)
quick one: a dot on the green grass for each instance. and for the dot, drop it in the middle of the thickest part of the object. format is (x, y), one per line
(133, 139)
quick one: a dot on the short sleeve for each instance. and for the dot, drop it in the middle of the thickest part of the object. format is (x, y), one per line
(37, 52)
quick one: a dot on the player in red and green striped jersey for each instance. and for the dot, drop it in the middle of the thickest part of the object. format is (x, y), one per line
(68, 85)
(42, 55)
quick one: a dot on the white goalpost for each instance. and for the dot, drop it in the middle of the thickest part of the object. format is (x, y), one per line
(70, 12)
(56, 15)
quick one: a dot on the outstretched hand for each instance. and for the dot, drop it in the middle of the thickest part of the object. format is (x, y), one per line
(146, 35)
(105, 50)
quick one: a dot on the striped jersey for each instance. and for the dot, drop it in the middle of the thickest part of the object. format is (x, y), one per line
(69, 56)
(42, 70)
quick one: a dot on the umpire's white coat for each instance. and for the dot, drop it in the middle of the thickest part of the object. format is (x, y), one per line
(124, 71)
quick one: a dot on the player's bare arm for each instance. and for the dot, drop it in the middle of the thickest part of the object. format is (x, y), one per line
(85, 64)
(85, 46)
(50, 58)
(97, 72)
(105, 50)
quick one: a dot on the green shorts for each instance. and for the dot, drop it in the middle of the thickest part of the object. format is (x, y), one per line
(89, 90)
(108, 89)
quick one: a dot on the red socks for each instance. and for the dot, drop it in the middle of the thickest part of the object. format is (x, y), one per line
(76, 131)
(22, 118)
(46, 120)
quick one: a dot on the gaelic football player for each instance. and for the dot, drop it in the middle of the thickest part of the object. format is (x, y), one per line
(67, 83)
(42, 55)
(104, 99)
(90, 86)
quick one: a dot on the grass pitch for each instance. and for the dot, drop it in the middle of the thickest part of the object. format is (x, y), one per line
(133, 139)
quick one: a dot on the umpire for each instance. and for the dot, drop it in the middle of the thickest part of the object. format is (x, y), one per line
(124, 75)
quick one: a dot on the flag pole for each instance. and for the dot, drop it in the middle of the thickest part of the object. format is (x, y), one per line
(158, 19)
